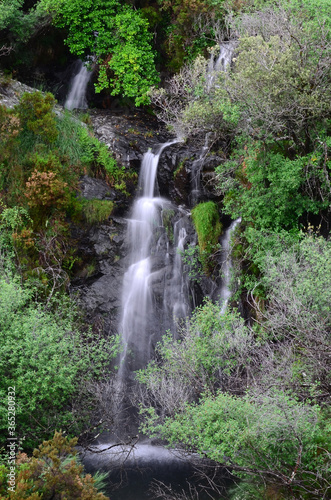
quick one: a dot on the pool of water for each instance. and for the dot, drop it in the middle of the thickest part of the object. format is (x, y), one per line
(132, 472)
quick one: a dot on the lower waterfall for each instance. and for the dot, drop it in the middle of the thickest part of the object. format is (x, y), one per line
(225, 292)
(149, 261)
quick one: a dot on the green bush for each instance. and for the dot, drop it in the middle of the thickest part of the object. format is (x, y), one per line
(48, 361)
(36, 115)
(285, 441)
(273, 191)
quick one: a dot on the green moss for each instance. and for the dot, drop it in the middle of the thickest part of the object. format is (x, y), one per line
(167, 216)
(96, 211)
(206, 221)
(180, 168)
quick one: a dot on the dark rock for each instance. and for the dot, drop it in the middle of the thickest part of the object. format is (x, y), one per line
(103, 295)
(92, 189)
(102, 251)
(127, 136)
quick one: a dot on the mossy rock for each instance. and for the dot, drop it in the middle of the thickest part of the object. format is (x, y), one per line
(93, 211)
(207, 223)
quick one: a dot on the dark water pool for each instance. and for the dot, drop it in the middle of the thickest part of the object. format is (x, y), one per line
(132, 473)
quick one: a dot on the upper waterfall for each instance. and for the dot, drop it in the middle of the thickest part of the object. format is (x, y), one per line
(77, 96)
(220, 59)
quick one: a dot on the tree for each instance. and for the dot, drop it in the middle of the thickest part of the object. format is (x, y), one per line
(279, 174)
(118, 37)
(18, 25)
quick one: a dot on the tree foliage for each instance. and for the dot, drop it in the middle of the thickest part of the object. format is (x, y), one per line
(17, 24)
(274, 191)
(118, 37)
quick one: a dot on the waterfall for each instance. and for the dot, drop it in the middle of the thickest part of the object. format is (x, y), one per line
(77, 95)
(215, 65)
(220, 62)
(225, 292)
(225, 55)
(145, 236)
(176, 303)
(196, 173)
(155, 295)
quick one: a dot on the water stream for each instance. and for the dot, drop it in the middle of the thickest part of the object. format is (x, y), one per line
(149, 262)
(219, 62)
(225, 291)
(77, 95)
(216, 64)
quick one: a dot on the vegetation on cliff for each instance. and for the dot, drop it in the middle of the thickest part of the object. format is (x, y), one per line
(57, 365)
(251, 395)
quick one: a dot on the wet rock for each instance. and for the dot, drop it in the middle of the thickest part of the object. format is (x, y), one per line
(99, 277)
(127, 136)
(98, 189)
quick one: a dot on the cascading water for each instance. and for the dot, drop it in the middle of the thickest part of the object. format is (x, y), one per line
(156, 287)
(225, 292)
(147, 238)
(215, 65)
(77, 96)
(176, 302)
(220, 62)
(196, 171)
(156, 297)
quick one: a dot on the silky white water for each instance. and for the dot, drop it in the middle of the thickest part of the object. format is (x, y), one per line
(225, 292)
(77, 95)
(220, 62)
(143, 238)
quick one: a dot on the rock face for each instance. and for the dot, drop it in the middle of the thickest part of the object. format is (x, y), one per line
(99, 281)
(11, 91)
(96, 189)
(127, 136)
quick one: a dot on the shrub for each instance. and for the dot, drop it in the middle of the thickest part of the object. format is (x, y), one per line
(49, 361)
(46, 191)
(36, 115)
(52, 473)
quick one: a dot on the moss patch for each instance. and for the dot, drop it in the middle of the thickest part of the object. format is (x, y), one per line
(97, 211)
(207, 224)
